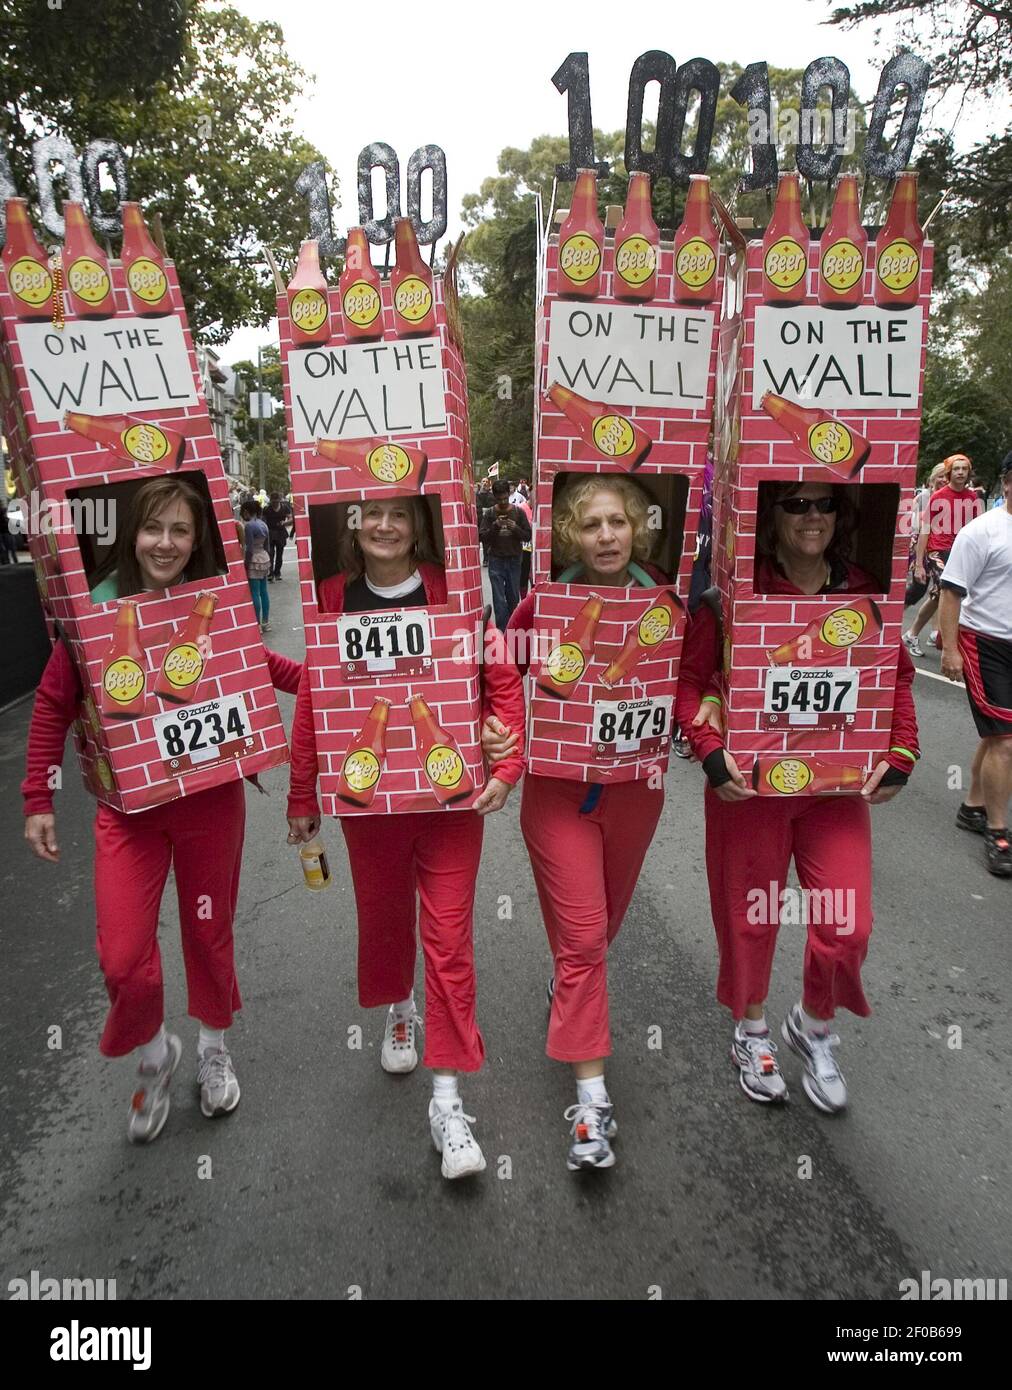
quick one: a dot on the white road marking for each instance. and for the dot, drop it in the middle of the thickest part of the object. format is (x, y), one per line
(934, 676)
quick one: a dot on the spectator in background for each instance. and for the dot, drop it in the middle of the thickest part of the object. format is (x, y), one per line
(504, 528)
(258, 562)
(520, 501)
(276, 518)
(949, 509)
(8, 551)
(485, 500)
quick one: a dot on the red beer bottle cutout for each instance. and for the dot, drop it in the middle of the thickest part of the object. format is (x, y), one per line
(144, 265)
(359, 288)
(379, 461)
(899, 248)
(123, 668)
(27, 265)
(581, 241)
(696, 245)
(637, 242)
(363, 762)
(129, 437)
(825, 638)
(843, 250)
(655, 626)
(795, 775)
(567, 662)
(308, 308)
(608, 432)
(411, 283)
(439, 755)
(820, 435)
(785, 247)
(89, 283)
(187, 655)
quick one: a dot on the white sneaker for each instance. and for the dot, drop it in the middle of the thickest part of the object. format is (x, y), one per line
(219, 1085)
(755, 1056)
(593, 1129)
(912, 645)
(823, 1081)
(453, 1139)
(399, 1053)
(149, 1104)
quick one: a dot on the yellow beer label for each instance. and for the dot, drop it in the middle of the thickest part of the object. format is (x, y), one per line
(104, 773)
(635, 260)
(308, 309)
(655, 625)
(696, 264)
(145, 443)
(361, 770)
(580, 258)
(30, 281)
(789, 776)
(613, 435)
(843, 627)
(361, 303)
(898, 264)
(147, 280)
(842, 264)
(566, 663)
(830, 442)
(388, 463)
(88, 280)
(413, 299)
(183, 665)
(123, 680)
(785, 263)
(444, 766)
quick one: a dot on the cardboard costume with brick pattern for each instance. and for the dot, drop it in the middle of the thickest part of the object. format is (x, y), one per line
(625, 383)
(829, 394)
(377, 409)
(101, 393)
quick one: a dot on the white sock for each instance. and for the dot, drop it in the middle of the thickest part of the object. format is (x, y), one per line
(404, 1010)
(590, 1089)
(755, 1025)
(210, 1040)
(812, 1025)
(444, 1090)
(154, 1053)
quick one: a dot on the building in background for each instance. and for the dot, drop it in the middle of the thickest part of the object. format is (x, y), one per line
(221, 390)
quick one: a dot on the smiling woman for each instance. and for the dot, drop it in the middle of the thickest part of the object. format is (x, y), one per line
(167, 539)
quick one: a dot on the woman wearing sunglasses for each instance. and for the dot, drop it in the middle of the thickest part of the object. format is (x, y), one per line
(803, 543)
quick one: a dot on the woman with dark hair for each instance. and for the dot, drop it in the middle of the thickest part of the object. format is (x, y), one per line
(165, 541)
(255, 542)
(803, 539)
(388, 560)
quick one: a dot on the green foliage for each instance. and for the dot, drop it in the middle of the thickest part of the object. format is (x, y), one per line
(246, 427)
(277, 478)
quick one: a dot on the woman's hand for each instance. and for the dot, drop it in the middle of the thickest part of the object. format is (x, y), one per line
(40, 832)
(871, 791)
(497, 741)
(711, 713)
(493, 798)
(737, 789)
(302, 829)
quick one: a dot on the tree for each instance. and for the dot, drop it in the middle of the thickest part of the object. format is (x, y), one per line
(246, 426)
(276, 475)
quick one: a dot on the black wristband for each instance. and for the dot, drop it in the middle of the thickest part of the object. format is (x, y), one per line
(893, 777)
(715, 767)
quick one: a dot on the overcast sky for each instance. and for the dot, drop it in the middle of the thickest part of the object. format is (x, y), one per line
(476, 78)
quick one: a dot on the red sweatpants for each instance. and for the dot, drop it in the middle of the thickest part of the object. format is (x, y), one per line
(434, 854)
(201, 837)
(585, 867)
(749, 845)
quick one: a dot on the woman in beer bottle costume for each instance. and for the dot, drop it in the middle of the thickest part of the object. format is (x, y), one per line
(803, 536)
(165, 541)
(390, 561)
(587, 841)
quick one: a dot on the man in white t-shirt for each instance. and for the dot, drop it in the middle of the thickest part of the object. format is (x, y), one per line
(975, 620)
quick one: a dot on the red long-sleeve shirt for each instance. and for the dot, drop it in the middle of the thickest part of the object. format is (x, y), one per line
(57, 705)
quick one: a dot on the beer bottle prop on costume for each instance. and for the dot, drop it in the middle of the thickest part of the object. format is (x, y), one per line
(637, 242)
(144, 265)
(130, 437)
(187, 655)
(411, 283)
(608, 432)
(378, 461)
(696, 245)
(785, 247)
(363, 762)
(123, 668)
(444, 768)
(828, 636)
(359, 290)
(843, 250)
(821, 436)
(655, 626)
(307, 299)
(567, 662)
(89, 283)
(581, 242)
(27, 265)
(793, 775)
(899, 248)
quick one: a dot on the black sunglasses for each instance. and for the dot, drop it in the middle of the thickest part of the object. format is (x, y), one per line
(798, 506)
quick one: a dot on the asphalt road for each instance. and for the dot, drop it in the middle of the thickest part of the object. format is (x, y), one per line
(325, 1181)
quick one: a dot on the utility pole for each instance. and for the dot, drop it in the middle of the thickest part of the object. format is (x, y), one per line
(260, 419)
